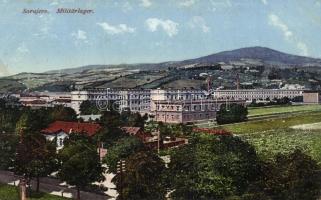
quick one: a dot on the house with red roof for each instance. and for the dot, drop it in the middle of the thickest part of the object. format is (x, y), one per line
(60, 130)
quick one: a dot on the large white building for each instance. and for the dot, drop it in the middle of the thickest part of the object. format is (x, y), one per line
(256, 94)
(135, 100)
(175, 106)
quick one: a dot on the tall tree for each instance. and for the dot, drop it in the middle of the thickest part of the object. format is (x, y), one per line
(213, 167)
(122, 150)
(88, 107)
(142, 178)
(63, 113)
(8, 145)
(291, 176)
(35, 157)
(80, 165)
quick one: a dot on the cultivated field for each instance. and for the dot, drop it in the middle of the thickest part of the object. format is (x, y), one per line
(281, 134)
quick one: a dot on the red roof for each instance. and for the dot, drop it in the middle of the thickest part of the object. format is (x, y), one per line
(75, 127)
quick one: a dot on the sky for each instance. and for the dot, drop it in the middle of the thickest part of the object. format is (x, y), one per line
(149, 31)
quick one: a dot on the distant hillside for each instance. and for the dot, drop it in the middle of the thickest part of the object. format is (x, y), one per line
(265, 55)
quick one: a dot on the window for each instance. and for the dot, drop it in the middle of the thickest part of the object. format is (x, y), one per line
(61, 142)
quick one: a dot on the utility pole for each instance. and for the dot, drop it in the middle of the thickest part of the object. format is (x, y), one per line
(121, 168)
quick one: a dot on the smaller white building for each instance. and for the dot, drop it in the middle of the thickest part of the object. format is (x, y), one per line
(60, 130)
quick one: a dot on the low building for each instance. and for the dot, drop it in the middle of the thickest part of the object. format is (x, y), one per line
(257, 94)
(184, 111)
(311, 97)
(60, 130)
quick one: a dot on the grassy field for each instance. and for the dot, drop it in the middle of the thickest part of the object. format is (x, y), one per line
(8, 192)
(274, 123)
(282, 109)
(276, 135)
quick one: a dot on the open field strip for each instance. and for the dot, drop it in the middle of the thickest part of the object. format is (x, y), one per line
(276, 135)
(259, 111)
(313, 126)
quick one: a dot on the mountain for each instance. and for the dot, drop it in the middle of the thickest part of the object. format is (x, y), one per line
(266, 55)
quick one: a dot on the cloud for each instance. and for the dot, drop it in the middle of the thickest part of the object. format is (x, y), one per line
(145, 3)
(199, 22)
(126, 7)
(288, 35)
(169, 26)
(80, 35)
(23, 49)
(115, 30)
(274, 20)
(187, 3)
(265, 2)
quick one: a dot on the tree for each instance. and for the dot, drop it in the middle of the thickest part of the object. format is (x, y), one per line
(35, 157)
(63, 113)
(111, 119)
(122, 150)
(8, 117)
(143, 177)
(8, 145)
(291, 176)
(109, 135)
(80, 165)
(235, 113)
(213, 167)
(88, 107)
(33, 120)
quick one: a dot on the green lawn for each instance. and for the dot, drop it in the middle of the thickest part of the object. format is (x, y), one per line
(282, 109)
(8, 192)
(272, 136)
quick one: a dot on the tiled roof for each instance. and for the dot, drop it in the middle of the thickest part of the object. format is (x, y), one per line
(75, 127)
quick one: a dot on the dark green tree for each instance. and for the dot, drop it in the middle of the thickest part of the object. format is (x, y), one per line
(63, 113)
(291, 176)
(80, 165)
(231, 114)
(213, 167)
(8, 145)
(122, 150)
(143, 177)
(88, 107)
(35, 157)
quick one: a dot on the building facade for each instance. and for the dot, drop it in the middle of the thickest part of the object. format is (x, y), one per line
(184, 111)
(134, 100)
(312, 97)
(256, 94)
